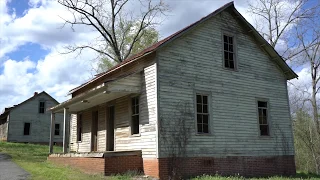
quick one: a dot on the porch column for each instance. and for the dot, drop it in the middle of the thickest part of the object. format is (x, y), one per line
(51, 133)
(65, 129)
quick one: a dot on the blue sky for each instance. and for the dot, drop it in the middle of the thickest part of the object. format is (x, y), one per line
(20, 6)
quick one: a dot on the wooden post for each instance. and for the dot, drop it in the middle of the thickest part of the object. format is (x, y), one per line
(51, 133)
(65, 130)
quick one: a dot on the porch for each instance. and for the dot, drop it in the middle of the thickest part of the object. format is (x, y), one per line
(89, 104)
(107, 163)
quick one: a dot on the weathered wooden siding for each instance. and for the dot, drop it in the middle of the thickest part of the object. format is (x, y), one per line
(194, 63)
(146, 141)
(4, 129)
(28, 112)
(148, 118)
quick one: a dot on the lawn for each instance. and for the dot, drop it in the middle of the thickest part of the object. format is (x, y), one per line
(33, 158)
(298, 176)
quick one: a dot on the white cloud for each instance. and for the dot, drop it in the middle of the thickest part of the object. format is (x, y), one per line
(41, 24)
(56, 74)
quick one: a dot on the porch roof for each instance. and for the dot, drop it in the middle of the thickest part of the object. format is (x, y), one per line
(105, 92)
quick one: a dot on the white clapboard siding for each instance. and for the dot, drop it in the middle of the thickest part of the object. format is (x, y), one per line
(123, 139)
(4, 130)
(148, 118)
(73, 133)
(28, 112)
(194, 63)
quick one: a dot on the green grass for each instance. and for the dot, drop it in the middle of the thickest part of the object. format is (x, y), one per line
(299, 175)
(33, 158)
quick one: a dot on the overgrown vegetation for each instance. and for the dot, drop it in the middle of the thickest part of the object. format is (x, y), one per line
(33, 158)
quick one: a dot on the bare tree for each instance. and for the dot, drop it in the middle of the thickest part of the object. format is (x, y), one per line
(120, 28)
(309, 42)
(275, 18)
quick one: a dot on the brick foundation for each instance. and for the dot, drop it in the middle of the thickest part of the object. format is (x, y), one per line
(236, 165)
(121, 164)
(87, 165)
(247, 166)
(108, 165)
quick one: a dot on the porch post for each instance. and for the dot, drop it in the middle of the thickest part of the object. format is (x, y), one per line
(51, 133)
(65, 130)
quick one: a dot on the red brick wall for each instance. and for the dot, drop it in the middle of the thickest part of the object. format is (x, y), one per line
(121, 164)
(87, 165)
(107, 165)
(151, 167)
(192, 166)
(242, 165)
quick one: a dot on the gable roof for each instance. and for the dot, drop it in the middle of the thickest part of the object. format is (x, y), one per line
(7, 110)
(270, 50)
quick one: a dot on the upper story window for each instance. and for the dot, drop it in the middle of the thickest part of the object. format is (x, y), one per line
(263, 118)
(228, 52)
(202, 114)
(41, 107)
(135, 115)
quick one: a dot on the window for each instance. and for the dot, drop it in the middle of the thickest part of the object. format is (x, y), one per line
(202, 114)
(79, 127)
(263, 118)
(228, 51)
(57, 129)
(26, 129)
(41, 107)
(135, 115)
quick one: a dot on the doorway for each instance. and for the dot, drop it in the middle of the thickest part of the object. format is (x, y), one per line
(94, 132)
(110, 129)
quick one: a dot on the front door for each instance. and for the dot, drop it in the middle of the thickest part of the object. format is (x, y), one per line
(94, 134)
(110, 130)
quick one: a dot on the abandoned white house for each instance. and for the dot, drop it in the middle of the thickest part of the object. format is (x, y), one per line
(213, 96)
(29, 122)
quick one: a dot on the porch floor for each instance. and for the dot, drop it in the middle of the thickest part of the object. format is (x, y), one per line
(97, 154)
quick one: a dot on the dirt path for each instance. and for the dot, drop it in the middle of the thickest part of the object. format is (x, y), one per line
(10, 170)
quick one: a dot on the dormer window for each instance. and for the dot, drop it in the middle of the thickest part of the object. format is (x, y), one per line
(229, 52)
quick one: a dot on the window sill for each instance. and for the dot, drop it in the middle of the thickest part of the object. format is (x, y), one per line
(203, 134)
(231, 70)
(135, 135)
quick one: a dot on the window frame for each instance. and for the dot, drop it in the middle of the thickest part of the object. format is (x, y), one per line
(131, 114)
(235, 50)
(24, 124)
(268, 117)
(44, 107)
(55, 129)
(208, 94)
(81, 123)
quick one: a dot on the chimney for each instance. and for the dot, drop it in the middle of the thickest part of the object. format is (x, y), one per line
(35, 93)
